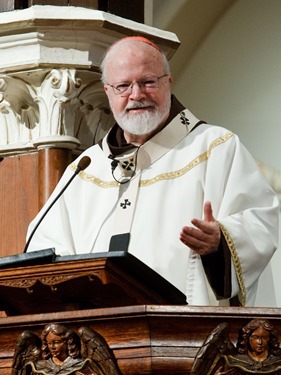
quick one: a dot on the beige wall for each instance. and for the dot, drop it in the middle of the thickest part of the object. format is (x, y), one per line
(228, 72)
(231, 74)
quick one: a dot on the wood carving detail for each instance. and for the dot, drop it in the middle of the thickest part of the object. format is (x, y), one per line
(55, 279)
(21, 283)
(61, 350)
(257, 351)
(51, 281)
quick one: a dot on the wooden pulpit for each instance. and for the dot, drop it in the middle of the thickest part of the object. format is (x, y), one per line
(40, 282)
(145, 320)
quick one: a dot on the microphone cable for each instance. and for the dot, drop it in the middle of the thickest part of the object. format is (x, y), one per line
(114, 164)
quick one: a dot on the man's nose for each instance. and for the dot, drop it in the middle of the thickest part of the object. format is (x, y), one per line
(136, 91)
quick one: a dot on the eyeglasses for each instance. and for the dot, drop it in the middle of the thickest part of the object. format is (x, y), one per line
(146, 83)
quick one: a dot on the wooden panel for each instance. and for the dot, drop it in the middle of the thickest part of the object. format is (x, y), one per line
(19, 201)
(21, 4)
(51, 165)
(149, 339)
(6, 5)
(23, 191)
(93, 4)
(133, 10)
(48, 2)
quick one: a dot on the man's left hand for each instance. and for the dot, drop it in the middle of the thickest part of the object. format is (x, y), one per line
(204, 237)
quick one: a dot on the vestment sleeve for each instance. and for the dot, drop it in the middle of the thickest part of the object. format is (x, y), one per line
(247, 210)
(217, 267)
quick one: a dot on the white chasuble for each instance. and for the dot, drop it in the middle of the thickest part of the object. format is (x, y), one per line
(170, 178)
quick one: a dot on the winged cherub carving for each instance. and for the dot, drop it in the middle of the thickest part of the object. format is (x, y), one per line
(62, 351)
(257, 351)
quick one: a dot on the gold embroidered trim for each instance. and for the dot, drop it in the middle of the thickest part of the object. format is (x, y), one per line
(163, 176)
(236, 263)
(87, 177)
(199, 159)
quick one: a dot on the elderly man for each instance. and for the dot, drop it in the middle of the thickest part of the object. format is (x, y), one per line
(183, 196)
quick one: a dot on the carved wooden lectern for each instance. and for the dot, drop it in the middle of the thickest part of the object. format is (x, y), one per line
(80, 282)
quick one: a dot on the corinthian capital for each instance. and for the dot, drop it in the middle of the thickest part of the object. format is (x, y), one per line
(52, 108)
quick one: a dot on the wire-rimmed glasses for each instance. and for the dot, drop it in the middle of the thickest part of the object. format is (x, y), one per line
(145, 83)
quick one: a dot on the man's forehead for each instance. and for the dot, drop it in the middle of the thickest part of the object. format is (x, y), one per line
(133, 58)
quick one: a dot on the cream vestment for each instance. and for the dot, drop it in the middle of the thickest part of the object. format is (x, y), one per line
(176, 171)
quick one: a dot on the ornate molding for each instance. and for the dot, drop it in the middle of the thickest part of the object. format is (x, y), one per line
(52, 108)
(67, 36)
(50, 89)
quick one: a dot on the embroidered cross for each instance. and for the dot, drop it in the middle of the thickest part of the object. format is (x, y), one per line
(125, 204)
(128, 164)
(184, 120)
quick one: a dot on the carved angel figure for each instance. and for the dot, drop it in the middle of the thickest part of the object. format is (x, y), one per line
(62, 351)
(257, 351)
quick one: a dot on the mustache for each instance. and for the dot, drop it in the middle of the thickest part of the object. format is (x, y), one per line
(140, 104)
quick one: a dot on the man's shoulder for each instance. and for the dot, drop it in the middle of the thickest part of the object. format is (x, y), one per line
(212, 130)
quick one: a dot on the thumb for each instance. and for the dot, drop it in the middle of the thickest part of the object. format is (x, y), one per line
(208, 212)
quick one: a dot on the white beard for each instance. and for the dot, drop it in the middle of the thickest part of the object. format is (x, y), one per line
(142, 123)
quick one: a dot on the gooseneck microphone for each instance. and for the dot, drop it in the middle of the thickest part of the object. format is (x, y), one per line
(83, 164)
